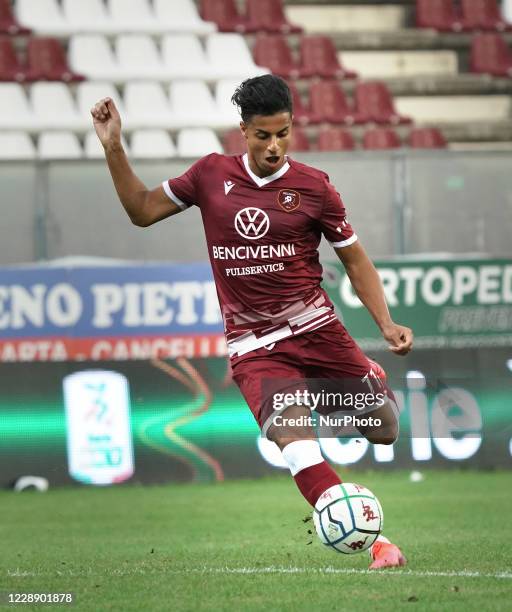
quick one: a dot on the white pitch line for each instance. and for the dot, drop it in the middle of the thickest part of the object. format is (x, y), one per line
(278, 570)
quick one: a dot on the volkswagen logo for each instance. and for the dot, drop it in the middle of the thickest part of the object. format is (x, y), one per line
(252, 223)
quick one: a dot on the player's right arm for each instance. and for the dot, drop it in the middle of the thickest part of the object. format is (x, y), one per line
(143, 206)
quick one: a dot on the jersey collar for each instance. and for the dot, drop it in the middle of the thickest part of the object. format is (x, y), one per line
(261, 182)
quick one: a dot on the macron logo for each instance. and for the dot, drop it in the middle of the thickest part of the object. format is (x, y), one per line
(228, 186)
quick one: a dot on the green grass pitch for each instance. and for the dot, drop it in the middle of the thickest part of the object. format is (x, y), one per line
(244, 546)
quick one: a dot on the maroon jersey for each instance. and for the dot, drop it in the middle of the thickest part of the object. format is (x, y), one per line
(263, 236)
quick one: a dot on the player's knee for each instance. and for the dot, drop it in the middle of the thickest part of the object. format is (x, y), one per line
(387, 434)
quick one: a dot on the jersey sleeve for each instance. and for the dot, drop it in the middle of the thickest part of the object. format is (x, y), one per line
(333, 222)
(185, 190)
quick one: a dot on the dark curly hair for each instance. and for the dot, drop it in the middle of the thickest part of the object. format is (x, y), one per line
(263, 95)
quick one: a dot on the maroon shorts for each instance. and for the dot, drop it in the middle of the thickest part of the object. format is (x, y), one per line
(327, 353)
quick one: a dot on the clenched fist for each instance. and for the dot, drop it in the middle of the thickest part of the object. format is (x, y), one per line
(107, 122)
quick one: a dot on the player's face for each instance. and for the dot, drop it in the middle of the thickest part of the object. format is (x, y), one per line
(268, 138)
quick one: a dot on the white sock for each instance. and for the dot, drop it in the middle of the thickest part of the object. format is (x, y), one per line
(302, 454)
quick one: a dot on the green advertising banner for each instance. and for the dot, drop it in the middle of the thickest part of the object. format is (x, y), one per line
(449, 303)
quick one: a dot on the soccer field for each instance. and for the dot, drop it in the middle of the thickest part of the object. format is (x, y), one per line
(244, 545)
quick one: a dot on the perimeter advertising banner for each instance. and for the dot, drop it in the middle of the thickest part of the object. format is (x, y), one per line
(119, 374)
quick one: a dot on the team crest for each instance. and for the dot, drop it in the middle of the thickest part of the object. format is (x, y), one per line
(288, 199)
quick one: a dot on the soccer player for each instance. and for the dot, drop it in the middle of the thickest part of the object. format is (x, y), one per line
(263, 215)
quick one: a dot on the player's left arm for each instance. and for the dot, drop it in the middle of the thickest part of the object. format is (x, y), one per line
(369, 290)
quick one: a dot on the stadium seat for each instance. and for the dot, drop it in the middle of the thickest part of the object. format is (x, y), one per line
(146, 105)
(225, 108)
(268, 16)
(181, 16)
(16, 145)
(91, 55)
(374, 104)
(273, 52)
(381, 138)
(329, 103)
(88, 17)
(299, 141)
(302, 114)
(483, 15)
(225, 15)
(229, 57)
(184, 58)
(47, 61)
(135, 16)
(58, 145)
(138, 57)
(426, 138)
(90, 92)
(94, 150)
(8, 22)
(335, 139)
(11, 68)
(319, 58)
(439, 15)
(197, 142)
(43, 16)
(151, 144)
(54, 108)
(15, 110)
(234, 142)
(193, 105)
(490, 55)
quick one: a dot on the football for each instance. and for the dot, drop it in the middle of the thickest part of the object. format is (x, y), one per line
(348, 518)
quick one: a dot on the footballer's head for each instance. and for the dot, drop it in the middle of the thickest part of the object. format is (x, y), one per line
(265, 105)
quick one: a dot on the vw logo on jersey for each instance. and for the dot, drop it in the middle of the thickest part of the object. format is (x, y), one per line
(252, 223)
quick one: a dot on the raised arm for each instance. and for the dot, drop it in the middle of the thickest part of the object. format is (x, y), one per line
(369, 290)
(143, 206)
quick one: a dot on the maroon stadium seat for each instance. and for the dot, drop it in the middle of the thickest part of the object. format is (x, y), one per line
(483, 15)
(329, 103)
(225, 14)
(319, 58)
(438, 14)
(426, 138)
(8, 22)
(272, 51)
(335, 139)
(375, 103)
(381, 138)
(268, 16)
(234, 142)
(302, 115)
(11, 69)
(300, 141)
(47, 61)
(490, 55)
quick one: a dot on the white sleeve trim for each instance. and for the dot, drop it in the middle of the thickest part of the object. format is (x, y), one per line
(172, 196)
(344, 243)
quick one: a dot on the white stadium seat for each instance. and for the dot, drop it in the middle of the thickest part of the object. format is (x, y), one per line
(91, 55)
(229, 57)
(184, 57)
(55, 108)
(146, 105)
(93, 148)
(223, 93)
(90, 16)
(43, 16)
(134, 16)
(181, 16)
(58, 145)
(16, 145)
(196, 142)
(90, 92)
(202, 113)
(15, 110)
(138, 57)
(151, 144)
